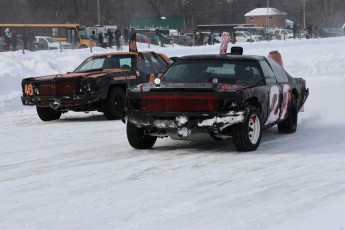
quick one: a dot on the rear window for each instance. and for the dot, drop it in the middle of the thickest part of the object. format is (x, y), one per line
(278, 71)
(203, 71)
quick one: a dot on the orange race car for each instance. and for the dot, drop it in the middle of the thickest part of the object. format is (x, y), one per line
(98, 84)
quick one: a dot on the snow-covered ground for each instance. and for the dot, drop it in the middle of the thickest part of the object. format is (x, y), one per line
(80, 173)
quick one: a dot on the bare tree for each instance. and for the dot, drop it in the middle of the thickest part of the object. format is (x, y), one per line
(122, 12)
(185, 8)
(324, 12)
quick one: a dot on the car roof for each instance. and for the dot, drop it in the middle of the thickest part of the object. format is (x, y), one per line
(227, 56)
(118, 53)
(131, 53)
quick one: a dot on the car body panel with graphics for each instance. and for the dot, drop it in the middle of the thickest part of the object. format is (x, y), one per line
(224, 96)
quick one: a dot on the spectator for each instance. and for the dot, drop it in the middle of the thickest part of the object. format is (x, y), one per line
(31, 39)
(118, 38)
(8, 37)
(110, 37)
(93, 35)
(25, 39)
(211, 38)
(294, 29)
(316, 32)
(310, 30)
(195, 37)
(126, 35)
(158, 37)
(201, 39)
(100, 39)
(299, 31)
(14, 40)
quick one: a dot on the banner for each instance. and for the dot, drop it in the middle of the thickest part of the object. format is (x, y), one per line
(224, 42)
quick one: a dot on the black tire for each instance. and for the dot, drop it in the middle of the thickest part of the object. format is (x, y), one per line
(114, 105)
(289, 125)
(137, 139)
(247, 135)
(48, 114)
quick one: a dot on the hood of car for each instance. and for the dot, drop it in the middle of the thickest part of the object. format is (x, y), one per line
(190, 87)
(94, 74)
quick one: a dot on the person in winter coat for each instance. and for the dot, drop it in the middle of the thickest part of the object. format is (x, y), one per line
(118, 38)
(201, 39)
(31, 39)
(294, 29)
(110, 37)
(126, 35)
(14, 40)
(100, 39)
(25, 39)
(211, 38)
(8, 37)
(310, 30)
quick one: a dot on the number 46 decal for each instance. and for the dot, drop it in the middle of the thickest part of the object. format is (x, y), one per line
(28, 89)
(275, 112)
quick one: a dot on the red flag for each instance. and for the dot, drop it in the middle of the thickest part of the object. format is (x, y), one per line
(224, 44)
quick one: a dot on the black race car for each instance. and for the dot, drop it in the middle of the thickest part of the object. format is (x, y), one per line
(227, 96)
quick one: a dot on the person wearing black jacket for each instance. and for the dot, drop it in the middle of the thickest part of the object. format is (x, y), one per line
(118, 38)
(110, 38)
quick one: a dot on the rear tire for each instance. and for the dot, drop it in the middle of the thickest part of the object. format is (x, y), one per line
(48, 114)
(247, 135)
(289, 125)
(114, 105)
(137, 138)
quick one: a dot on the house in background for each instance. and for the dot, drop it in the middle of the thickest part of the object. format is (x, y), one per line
(259, 17)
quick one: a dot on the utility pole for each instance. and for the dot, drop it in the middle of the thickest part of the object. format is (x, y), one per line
(304, 1)
(98, 12)
(267, 13)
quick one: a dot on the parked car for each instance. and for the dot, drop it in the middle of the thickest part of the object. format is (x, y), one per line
(245, 36)
(331, 32)
(182, 40)
(282, 34)
(206, 36)
(36, 45)
(142, 38)
(4, 47)
(165, 39)
(255, 30)
(224, 96)
(98, 84)
(52, 43)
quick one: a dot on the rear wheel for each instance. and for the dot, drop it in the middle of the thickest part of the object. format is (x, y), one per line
(48, 114)
(247, 135)
(137, 138)
(289, 125)
(114, 105)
